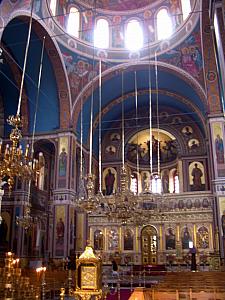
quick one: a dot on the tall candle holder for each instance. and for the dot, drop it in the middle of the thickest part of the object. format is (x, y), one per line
(41, 274)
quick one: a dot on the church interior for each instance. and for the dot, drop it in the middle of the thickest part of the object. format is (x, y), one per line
(119, 192)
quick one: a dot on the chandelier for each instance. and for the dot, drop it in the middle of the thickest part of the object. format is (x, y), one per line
(26, 221)
(13, 162)
(88, 200)
(124, 205)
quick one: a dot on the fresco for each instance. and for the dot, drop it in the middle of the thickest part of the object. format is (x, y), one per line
(140, 143)
(110, 181)
(196, 176)
(118, 5)
(218, 148)
(187, 56)
(80, 71)
(59, 230)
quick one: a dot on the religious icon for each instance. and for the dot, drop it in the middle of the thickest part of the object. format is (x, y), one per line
(145, 181)
(115, 137)
(193, 144)
(165, 182)
(60, 231)
(109, 182)
(176, 120)
(62, 162)
(98, 240)
(219, 149)
(128, 240)
(170, 239)
(113, 239)
(223, 223)
(203, 238)
(110, 150)
(197, 176)
(186, 238)
(187, 131)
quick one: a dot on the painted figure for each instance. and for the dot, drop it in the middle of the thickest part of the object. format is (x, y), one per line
(187, 131)
(186, 238)
(128, 240)
(98, 240)
(223, 223)
(62, 162)
(165, 182)
(60, 231)
(219, 149)
(197, 175)
(170, 240)
(109, 182)
(203, 238)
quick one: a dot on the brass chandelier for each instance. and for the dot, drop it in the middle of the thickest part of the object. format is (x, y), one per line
(13, 162)
(124, 205)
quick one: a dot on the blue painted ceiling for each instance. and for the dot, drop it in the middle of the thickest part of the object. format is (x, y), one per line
(167, 82)
(14, 38)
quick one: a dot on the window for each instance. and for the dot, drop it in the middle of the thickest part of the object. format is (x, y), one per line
(186, 8)
(73, 25)
(41, 177)
(134, 184)
(176, 182)
(164, 25)
(134, 36)
(156, 185)
(53, 6)
(101, 34)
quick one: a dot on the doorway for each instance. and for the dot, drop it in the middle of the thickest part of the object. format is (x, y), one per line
(149, 245)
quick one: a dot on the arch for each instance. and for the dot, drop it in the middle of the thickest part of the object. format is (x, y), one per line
(16, 74)
(117, 70)
(55, 57)
(149, 245)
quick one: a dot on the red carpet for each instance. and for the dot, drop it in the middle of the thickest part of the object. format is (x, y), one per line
(124, 295)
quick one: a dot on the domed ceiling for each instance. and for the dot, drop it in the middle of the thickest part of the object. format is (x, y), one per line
(117, 5)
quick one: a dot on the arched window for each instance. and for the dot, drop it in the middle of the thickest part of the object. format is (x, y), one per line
(186, 8)
(134, 184)
(73, 25)
(164, 24)
(134, 35)
(101, 34)
(156, 184)
(41, 177)
(176, 182)
(53, 6)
